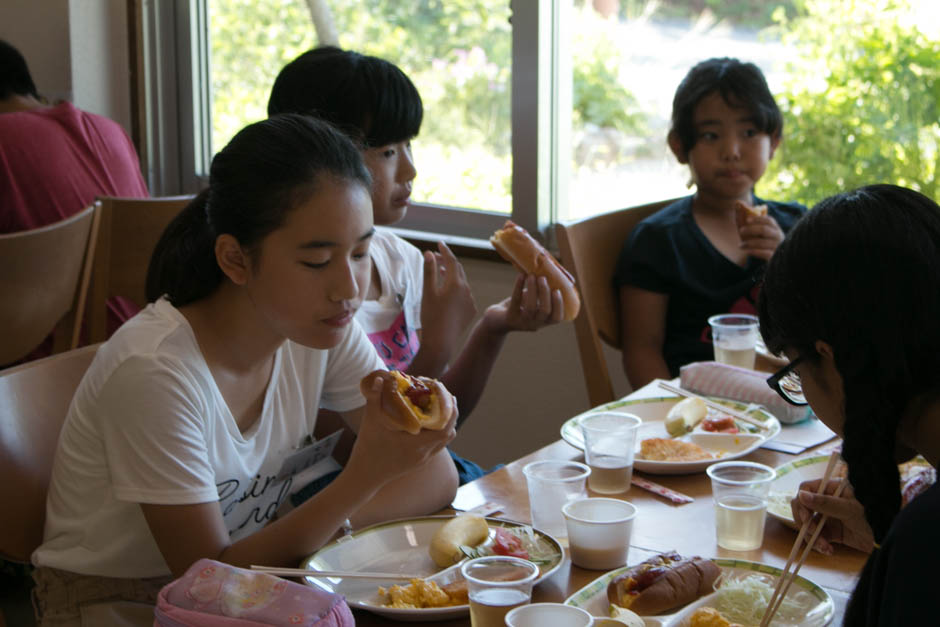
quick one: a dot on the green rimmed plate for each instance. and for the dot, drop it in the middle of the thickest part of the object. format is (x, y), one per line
(398, 546)
(789, 477)
(652, 411)
(818, 608)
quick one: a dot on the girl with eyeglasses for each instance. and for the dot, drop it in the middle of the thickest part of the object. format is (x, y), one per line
(852, 297)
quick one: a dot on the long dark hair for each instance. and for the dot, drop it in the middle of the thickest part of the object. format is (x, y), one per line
(368, 98)
(740, 84)
(861, 272)
(264, 172)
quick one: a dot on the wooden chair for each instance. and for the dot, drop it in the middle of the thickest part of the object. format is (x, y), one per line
(44, 284)
(34, 399)
(130, 228)
(589, 249)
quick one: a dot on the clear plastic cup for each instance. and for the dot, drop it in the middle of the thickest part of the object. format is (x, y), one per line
(609, 446)
(551, 484)
(734, 338)
(496, 584)
(740, 491)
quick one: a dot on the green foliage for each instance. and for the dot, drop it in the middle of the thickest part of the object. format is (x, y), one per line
(862, 103)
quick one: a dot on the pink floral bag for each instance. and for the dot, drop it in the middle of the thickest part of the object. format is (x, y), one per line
(215, 594)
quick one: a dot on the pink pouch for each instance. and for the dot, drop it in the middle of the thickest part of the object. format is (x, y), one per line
(711, 378)
(215, 594)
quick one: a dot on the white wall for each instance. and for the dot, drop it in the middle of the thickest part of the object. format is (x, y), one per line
(39, 29)
(76, 50)
(100, 70)
(535, 386)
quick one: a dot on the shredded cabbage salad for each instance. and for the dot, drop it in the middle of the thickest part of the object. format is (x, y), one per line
(744, 600)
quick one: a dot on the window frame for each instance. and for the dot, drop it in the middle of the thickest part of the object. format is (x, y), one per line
(176, 128)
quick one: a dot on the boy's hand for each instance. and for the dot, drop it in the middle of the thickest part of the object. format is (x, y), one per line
(846, 523)
(532, 306)
(447, 306)
(760, 236)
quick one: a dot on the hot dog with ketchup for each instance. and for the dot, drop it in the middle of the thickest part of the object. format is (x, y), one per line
(663, 582)
(417, 403)
(519, 248)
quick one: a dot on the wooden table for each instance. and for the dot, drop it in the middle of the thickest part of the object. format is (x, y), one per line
(659, 526)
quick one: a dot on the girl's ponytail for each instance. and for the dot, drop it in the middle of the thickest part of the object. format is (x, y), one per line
(183, 265)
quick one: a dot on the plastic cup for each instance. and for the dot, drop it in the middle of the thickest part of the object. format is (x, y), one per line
(552, 483)
(609, 445)
(549, 615)
(740, 490)
(734, 338)
(496, 584)
(599, 532)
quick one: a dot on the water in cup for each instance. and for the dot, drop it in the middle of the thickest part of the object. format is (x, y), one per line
(496, 584)
(739, 522)
(609, 448)
(610, 474)
(740, 357)
(488, 607)
(734, 338)
(740, 490)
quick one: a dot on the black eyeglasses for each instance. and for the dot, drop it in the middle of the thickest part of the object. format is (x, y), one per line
(786, 382)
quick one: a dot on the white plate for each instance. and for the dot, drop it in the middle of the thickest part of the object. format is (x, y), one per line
(653, 412)
(593, 597)
(399, 546)
(787, 483)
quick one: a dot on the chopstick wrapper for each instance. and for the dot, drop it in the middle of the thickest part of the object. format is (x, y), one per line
(711, 378)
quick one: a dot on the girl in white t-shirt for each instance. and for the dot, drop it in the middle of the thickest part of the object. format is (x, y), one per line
(418, 306)
(183, 437)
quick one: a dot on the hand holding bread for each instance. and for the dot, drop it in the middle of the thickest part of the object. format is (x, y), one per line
(415, 403)
(528, 256)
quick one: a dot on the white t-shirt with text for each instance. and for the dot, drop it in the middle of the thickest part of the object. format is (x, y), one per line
(148, 425)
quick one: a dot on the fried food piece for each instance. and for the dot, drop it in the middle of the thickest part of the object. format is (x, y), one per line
(666, 450)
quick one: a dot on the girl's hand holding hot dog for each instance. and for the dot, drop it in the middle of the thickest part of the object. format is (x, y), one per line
(392, 435)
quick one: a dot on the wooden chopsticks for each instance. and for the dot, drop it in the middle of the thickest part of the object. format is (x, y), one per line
(717, 406)
(786, 578)
(303, 572)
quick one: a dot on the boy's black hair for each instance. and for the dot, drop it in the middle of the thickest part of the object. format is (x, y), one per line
(740, 85)
(368, 98)
(15, 79)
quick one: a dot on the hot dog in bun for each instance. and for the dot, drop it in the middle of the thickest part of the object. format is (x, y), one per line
(515, 245)
(743, 211)
(662, 583)
(417, 403)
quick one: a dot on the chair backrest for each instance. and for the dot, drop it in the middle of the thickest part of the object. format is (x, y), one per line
(34, 400)
(130, 228)
(44, 282)
(589, 249)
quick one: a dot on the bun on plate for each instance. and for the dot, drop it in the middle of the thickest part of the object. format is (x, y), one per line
(663, 582)
(417, 403)
(516, 246)
(743, 211)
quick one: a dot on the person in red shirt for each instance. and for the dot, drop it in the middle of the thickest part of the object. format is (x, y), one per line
(55, 160)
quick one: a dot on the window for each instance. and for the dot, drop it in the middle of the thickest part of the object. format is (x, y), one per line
(547, 110)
